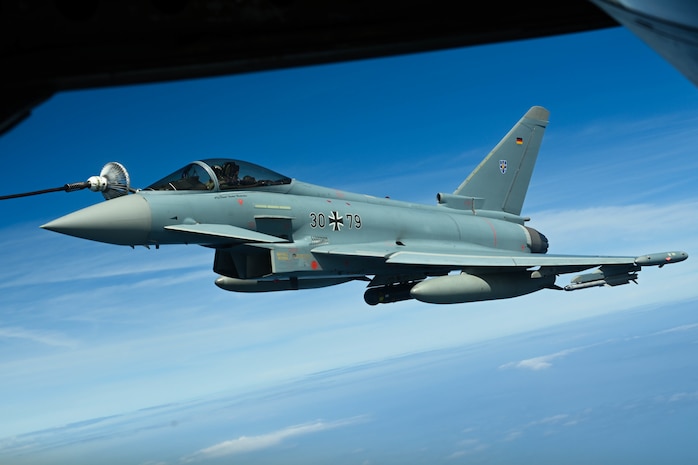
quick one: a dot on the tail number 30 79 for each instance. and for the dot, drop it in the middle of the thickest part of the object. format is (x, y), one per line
(334, 220)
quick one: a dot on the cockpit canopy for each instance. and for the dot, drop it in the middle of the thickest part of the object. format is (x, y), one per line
(215, 174)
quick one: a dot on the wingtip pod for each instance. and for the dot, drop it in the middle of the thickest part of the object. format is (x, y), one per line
(661, 258)
(616, 275)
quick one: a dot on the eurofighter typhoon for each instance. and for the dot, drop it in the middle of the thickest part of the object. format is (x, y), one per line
(269, 232)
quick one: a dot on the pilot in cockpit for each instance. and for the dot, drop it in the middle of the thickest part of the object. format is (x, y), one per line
(229, 175)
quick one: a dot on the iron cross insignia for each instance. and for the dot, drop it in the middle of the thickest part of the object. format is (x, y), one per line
(336, 221)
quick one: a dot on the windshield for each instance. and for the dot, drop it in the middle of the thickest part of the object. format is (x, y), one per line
(219, 173)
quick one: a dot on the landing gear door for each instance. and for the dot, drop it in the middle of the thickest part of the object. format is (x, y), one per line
(293, 258)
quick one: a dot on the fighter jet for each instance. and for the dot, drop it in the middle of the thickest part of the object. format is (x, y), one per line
(270, 232)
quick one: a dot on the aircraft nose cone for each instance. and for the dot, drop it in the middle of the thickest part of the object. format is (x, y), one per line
(124, 221)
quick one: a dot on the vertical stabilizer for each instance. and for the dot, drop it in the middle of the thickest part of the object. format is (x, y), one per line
(502, 178)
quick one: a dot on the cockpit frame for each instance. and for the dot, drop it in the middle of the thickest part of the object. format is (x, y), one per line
(219, 174)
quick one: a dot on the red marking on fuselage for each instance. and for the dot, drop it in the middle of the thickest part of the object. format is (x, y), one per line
(494, 232)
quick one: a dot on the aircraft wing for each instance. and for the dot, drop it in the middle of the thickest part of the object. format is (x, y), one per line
(504, 259)
(429, 253)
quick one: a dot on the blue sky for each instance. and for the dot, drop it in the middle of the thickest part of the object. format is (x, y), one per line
(92, 331)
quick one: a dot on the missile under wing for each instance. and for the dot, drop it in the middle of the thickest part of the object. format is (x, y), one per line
(270, 232)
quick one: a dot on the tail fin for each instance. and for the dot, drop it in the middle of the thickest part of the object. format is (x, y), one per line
(502, 178)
